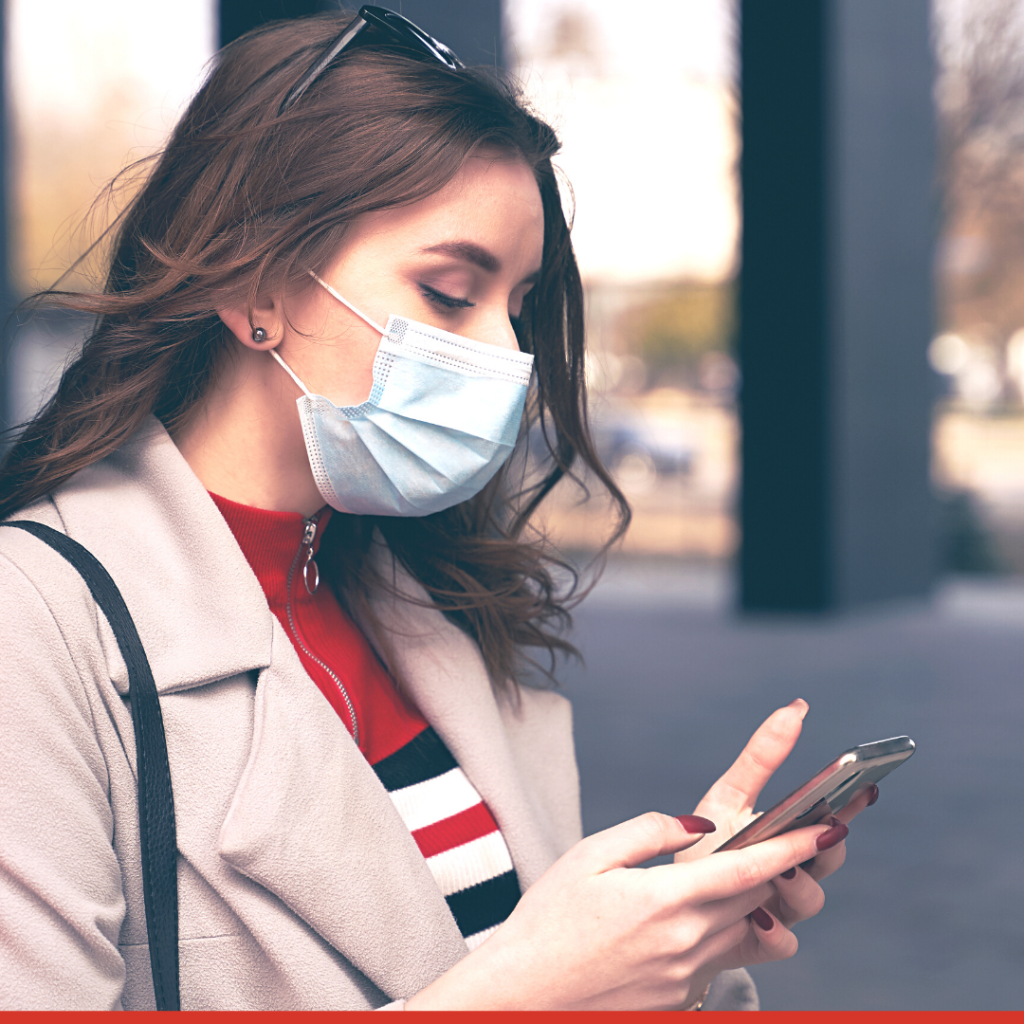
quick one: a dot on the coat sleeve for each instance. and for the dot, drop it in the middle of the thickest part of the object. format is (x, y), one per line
(61, 895)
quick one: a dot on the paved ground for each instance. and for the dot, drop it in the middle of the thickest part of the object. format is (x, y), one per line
(928, 913)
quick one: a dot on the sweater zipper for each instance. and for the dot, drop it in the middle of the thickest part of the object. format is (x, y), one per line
(309, 567)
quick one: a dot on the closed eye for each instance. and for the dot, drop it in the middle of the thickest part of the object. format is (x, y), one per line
(443, 300)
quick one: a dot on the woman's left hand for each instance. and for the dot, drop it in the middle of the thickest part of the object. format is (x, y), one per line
(730, 804)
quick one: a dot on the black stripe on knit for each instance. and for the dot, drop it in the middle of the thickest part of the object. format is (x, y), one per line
(423, 757)
(484, 905)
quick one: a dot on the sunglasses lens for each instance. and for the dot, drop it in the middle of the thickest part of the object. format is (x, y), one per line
(402, 32)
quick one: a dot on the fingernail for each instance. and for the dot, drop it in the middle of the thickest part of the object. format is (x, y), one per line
(873, 790)
(836, 834)
(791, 873)
(762, 919)
(694, 823)
(798, 703)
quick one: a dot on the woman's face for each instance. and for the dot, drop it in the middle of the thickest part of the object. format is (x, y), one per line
(462, 260)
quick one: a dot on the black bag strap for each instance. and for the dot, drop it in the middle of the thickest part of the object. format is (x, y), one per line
(156, 800)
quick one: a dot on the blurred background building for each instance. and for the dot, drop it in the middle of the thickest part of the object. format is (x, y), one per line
(853, 443)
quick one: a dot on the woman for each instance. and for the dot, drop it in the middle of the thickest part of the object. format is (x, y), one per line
(285, 439)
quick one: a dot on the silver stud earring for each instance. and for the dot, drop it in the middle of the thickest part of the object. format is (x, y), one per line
(259, 335)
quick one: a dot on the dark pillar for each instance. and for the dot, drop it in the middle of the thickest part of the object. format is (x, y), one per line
(836, 302)
(472, 28)
(785, 507)
(238, 16)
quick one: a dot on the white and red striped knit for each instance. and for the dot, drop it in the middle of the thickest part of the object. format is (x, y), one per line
(452, 826)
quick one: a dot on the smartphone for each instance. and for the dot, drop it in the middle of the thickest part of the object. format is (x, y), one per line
(828, 791)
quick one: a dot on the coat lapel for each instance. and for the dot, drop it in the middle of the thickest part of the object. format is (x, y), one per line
(311, 822)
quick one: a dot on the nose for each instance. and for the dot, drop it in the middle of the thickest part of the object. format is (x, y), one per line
(495, 327)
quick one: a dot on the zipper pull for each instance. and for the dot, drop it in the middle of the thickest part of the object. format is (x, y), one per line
(309, 564)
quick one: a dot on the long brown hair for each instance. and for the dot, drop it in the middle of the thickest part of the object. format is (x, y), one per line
(242, 199)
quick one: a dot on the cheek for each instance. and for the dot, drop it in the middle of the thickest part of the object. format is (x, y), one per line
(340, 367)
(352, 371)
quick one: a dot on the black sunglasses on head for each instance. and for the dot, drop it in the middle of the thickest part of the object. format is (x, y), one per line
(374, 24)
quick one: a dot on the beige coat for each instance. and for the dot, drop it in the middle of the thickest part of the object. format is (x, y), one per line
(299, 885)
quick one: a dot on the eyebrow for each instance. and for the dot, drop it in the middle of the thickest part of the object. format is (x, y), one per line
(468, 251)
(475, 254)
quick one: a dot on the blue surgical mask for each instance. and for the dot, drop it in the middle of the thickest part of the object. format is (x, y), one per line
(442, 416)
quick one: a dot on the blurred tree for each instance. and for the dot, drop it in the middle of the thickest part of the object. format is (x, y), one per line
(675, 329)
(981, 120)
(574, 41)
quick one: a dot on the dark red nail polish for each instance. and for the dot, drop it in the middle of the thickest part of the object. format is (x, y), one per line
(762, 919)
(694, 823)
(791, 873)
(836, 834)
(873, 790)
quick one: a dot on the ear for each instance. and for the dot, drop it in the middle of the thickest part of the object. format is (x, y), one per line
(266, 314)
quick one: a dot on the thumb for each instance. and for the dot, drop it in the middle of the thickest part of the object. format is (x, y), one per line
(639, 839)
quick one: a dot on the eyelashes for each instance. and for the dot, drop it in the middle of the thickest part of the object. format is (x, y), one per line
(443, 300)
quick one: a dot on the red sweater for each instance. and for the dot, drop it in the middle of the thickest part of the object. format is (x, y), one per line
(451, 825)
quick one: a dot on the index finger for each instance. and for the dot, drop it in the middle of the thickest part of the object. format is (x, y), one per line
(738, 789)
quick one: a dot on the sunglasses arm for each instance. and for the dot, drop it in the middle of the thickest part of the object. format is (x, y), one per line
(333, 49)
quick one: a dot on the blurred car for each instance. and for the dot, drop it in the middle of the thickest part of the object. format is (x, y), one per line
(636, 451)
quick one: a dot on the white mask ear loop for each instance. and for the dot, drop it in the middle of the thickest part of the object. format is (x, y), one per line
(362, 316)
(291, 373)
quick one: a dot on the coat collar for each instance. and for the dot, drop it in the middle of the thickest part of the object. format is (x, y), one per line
(147, 518)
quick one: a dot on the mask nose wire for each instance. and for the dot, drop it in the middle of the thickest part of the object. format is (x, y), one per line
(362, 316)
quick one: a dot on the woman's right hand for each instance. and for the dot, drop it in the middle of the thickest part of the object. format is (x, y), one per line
(595, 932)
